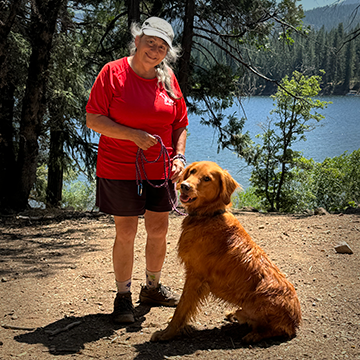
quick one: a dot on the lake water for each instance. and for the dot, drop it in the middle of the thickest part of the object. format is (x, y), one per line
(337, 133)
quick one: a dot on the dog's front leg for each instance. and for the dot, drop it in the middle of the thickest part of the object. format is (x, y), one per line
(193, 293)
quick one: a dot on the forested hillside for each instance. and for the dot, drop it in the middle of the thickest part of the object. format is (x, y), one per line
(332, 16)
(328, 47)
(330, 51)
(320, 50)
(331, 44)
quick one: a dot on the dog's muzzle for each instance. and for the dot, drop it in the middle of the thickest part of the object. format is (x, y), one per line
(185, 186)
(184, 197)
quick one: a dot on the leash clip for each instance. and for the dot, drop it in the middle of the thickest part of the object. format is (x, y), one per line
(140, 189)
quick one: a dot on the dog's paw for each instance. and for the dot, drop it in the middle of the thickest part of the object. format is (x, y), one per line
(230, 316)
(252, 338)
(237, 316)
(162, 335)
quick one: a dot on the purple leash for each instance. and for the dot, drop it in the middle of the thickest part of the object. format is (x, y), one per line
(141, 159)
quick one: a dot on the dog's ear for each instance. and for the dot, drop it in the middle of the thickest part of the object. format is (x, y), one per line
(185, 174)
(228, 186)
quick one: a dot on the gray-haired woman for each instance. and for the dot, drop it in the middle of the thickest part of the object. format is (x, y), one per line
(136, 103)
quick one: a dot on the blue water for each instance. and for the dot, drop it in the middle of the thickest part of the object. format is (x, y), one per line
(337, 133)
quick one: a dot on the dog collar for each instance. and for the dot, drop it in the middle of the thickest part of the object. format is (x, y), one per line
(218, 212)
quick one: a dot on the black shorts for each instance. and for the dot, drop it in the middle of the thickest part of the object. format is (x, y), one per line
(121, 197)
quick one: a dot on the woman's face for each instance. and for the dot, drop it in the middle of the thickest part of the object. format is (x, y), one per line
(151, 50)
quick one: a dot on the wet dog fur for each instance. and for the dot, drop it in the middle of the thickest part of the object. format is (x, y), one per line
(221, 259)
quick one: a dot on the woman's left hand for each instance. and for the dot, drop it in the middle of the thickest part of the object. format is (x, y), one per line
(176, 170)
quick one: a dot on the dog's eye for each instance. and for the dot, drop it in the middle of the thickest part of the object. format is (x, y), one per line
(193, 171)
(206, 178)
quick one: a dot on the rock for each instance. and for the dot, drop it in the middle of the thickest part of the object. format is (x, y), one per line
(343, 248)
(320, 211)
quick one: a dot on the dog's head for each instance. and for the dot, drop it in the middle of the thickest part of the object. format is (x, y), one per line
(205, 186)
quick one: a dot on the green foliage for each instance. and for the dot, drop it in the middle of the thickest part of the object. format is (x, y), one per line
(295, 113)
(337, 181)
(38, 192)
(301, 189)
(79, 195)
(76, 193)
(246, 198)
(333, 184)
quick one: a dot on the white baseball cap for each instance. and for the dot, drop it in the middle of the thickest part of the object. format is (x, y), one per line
(155, 26)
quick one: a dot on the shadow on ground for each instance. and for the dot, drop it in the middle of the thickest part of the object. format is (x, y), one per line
(226, 337)
(42, 253)
(71, 334)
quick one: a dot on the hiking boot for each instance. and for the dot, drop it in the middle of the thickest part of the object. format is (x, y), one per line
(161, 295)
(123, 309)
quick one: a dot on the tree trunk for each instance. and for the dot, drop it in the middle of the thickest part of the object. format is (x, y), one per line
(43, 20)
(7, 150)
(133, 11)
(55, 168)
(184, 64)
(7, 100)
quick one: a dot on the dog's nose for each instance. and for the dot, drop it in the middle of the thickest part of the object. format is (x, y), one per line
(185, 186)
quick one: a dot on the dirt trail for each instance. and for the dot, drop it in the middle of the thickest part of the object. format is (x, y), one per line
(57, 288)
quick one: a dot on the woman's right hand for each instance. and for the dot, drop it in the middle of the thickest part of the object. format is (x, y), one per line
(144, 140)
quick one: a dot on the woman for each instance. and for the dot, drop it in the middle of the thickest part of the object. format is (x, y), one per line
(133, 99)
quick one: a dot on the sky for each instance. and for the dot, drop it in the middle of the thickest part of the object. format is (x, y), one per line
(311, 4)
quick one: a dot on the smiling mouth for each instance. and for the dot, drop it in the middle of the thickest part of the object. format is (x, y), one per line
(186, 199)
(151, 58)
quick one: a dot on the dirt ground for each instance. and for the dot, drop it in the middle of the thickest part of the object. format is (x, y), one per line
(57, 290)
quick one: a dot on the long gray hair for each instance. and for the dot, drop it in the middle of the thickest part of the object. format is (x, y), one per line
(164, 70)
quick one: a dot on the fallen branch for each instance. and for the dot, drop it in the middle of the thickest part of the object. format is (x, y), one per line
(60, 330)
(15, 327)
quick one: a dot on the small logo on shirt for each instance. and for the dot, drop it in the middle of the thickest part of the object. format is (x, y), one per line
(167, 100)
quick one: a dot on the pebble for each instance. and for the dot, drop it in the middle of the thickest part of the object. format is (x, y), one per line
(343, 248)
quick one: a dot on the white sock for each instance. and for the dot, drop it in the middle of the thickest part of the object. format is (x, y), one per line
(123, 286)
(152, 279)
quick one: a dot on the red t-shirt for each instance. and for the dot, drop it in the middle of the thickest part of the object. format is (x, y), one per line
(123, 96)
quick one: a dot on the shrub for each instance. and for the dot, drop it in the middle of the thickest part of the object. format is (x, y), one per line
(274, 164)
(79, 195)
(337, 181)
(246, 198)
(333, 184)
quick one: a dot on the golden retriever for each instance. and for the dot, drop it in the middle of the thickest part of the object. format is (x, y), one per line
(221, 259)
